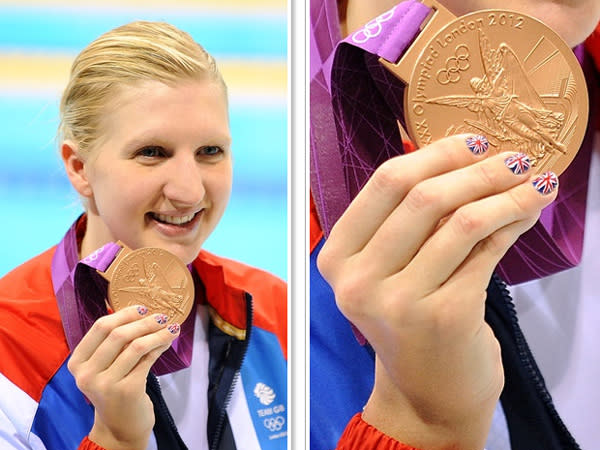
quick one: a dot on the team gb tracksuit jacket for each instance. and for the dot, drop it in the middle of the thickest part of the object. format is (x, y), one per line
(41, 407)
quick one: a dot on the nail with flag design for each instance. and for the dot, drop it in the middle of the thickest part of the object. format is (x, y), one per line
(518, 163)
(477, 144)
(546, 183)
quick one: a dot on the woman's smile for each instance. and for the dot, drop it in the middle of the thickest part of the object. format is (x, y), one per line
(157, 180)
(175, 225)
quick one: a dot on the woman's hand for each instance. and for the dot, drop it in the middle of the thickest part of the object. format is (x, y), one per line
(110, 366)
(409, 262)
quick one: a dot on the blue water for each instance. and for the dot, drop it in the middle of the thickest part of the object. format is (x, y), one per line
(221, 33)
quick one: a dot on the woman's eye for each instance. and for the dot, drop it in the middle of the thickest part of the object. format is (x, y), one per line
(151, 152)
(211, 150)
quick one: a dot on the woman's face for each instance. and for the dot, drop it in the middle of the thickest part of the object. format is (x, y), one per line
(161, 175)
(574, 20)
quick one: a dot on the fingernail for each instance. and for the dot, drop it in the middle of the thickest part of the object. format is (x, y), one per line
(161, 318)
(477, 144)
(545, 183)
(518, 163)
(142, 310)
(173, 328)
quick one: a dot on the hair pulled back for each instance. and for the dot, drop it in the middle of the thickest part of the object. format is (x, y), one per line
(132, 53)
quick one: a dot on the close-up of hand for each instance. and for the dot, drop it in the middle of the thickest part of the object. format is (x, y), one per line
(409, 262)
(110, 366)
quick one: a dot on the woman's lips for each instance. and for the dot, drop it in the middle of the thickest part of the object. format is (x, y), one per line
(176, 225)
(173, 220)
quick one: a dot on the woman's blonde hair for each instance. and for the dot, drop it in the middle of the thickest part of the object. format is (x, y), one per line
(135, 52)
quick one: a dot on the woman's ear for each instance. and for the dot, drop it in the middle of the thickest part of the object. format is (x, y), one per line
(75, 168)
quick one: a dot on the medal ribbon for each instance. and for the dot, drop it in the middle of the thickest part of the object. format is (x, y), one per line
(355, 103)
(81, 296)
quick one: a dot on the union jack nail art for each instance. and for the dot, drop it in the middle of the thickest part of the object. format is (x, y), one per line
(477, 144)
(161, 318)
(518, 163)
(142, 310)
(546, 183)
(173, 328)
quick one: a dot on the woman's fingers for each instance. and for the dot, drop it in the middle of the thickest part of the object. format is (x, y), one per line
(482, 261)
(123, 337)
(142, 352)
(103, 327)
(405, 230)
(121, 340)
(472, 223)
(460, 302)
(470, 244)
(389, 185)
(145, 363)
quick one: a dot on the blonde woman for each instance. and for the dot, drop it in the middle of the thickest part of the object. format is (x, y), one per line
(145, 141)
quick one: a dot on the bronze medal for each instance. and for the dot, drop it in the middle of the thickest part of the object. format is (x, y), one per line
(500, 74)
(152, 277)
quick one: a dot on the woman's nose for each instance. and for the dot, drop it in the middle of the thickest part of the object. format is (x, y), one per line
(184, 184)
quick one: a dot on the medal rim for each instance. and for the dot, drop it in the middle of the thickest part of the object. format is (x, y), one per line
(566, 52)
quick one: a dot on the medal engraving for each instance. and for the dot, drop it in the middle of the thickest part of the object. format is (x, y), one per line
(154, 278)
(504, 75)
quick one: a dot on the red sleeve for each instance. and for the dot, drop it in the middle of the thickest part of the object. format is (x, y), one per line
(316, 234)
(359, 435)
(592, 45)
(86, 444)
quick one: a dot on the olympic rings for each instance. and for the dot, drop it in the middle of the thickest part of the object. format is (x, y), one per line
(93, 256)
(133, 273)
(274, 423)
(454, 65)
(373, 28)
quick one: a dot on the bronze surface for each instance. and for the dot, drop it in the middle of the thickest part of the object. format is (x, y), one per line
(154, 278)
(503, 75)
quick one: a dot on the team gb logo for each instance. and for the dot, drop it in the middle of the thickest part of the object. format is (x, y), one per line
(264, 393)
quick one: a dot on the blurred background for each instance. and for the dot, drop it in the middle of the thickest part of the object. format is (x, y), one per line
(39, 40)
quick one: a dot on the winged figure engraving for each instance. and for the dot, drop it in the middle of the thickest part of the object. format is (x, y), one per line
(507, 106)
(158, 292)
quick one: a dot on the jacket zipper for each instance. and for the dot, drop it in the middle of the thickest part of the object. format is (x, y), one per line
(162, 406)
(219, 427)
(528, 362)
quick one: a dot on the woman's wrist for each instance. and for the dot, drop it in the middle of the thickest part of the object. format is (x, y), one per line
(403, 419)
(103, 437)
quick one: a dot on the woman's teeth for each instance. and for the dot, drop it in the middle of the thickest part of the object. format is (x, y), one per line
(174, 220)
